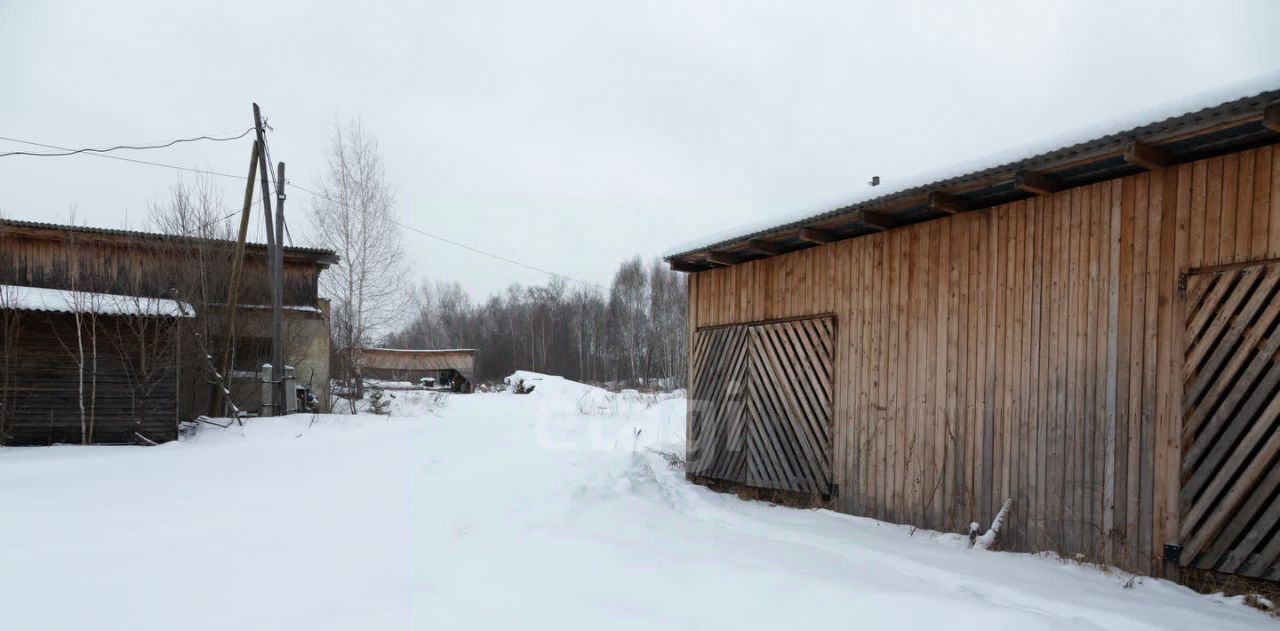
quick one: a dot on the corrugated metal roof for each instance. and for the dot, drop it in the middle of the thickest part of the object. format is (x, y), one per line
(1228, 126)
(40, 225)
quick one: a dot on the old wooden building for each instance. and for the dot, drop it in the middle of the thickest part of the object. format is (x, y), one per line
(81, 367)
(453, 368)
(1092, 333)
(142, 313)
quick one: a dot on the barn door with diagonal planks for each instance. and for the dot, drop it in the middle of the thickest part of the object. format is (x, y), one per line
(717, 400)
(789, 402)
(761, 399)
(1230, 492)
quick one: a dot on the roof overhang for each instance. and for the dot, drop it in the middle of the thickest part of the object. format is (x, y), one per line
(62, 232)
(460, 359)
(1229, 127)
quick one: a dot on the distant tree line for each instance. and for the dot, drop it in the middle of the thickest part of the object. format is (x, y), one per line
(633, 333)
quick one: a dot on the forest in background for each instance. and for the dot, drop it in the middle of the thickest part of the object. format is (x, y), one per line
(632, 333)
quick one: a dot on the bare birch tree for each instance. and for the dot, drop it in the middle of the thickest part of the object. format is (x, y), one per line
(355, 217)
(10, 330)
(83, 303)
(668, 314)
(11, 308)
(628, 302)
(84, 307)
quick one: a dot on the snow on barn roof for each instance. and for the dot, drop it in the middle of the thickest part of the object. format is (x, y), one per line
(292, 308)
(423, 350)
(19, 298)
(1233, 118)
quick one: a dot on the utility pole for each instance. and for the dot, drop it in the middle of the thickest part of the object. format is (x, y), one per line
(276, 342)
(277, 298)
(233, 295)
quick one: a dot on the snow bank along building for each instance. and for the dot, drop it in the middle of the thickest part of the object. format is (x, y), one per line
(1092, 331)
(111, 319)
(453, 368)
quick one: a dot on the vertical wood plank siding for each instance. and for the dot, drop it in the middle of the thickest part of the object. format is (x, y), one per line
(1031, 351)
(144, 267)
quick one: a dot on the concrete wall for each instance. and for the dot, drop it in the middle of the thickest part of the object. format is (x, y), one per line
(306, 349)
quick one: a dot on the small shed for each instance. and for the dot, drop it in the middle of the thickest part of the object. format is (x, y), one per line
(1091, 333)
(84, 367)
(453, 368)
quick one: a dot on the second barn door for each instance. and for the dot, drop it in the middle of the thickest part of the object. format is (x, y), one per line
(1231, 422)
(789, 405)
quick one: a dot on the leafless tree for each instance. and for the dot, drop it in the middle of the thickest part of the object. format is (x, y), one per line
(84, 305)
(668, 319)
(10, 330)
(193, 211)
(144, 336)
(628, 308)
(192, 208)
(635, 333)
(588, 317)
(355, 217)
(199, 274)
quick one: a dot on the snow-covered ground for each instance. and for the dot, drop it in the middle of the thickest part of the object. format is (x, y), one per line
(555, 510)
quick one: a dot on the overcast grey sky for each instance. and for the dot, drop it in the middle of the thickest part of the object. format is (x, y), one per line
(570, 135)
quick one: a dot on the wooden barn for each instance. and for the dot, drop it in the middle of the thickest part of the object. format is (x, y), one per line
(1092, 333)
(126, 323)
(453, 368)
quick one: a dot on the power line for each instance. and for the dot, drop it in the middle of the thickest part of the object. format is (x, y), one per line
(424, 233)
(461, 245)
(498, 256)
(218, 220)
(202, 226)
(72, 152)
(97, 153)
(124, 159)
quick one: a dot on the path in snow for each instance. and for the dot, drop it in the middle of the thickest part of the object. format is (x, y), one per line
(538, 511)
